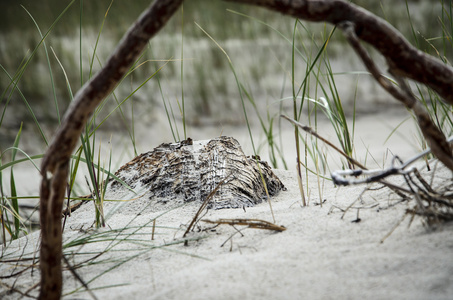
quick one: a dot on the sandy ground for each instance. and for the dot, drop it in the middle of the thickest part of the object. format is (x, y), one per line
(323, 253)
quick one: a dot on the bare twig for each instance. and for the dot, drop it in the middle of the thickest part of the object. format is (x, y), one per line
(250, 223)
(204, 205)
(309, 130)
(338, 179)
(54, 169)
(431, 204)
(339, 176)
(393, 229)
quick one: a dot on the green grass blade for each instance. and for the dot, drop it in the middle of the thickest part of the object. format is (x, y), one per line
(182, 73)
(174, 131)
(30, 110)
(18, 75)
(129, 96)
(52, 83)
(237, 82)
(97, 39)
(417, 43)
(80, 42)
(14, 202)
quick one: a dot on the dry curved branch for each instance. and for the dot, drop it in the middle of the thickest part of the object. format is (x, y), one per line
(433, 135)
(54, 167)
(404, 60)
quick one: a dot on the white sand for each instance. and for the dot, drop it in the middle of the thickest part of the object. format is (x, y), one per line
(319, 256)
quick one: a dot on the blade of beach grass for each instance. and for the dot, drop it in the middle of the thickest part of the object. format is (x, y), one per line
(89, 156)
(343, 132)
(288, 40)
(395, 130)
(245, 113)
(302, 90)
(414, 35)
(312, 132)
(129, 96)
(174, 131)
(304, 85)
(2, 210)
(97, 40)
(30, 110)
(5, 223)
(99, 200)
(296, 117)
(81, 42)
(105, 182)
(280, 111)
(18, 75)
(14, 202)
(8, 88)
(88, 151)
(75, 163)
(266, 129)
(183, 110)
(52, 83)
(84, 142)
(73, 170)
(130, 129)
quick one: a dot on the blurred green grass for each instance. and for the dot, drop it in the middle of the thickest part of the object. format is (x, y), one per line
(261, 55)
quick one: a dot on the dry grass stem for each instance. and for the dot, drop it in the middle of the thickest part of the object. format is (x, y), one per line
(204, 205)
(431, 204)
(337, 180)
(309, 130)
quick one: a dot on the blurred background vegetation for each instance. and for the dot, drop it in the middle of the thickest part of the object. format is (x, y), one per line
(258, 46)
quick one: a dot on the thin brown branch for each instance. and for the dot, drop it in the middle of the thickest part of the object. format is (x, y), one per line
(203, 206)
(435, 138)
(309, 130)
(55, 163)
(250, 223)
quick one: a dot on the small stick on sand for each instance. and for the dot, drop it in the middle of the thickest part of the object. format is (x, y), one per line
(251, 223)
(203, 206)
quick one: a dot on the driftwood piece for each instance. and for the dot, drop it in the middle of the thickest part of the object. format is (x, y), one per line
(190, 170)
(54, 167)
